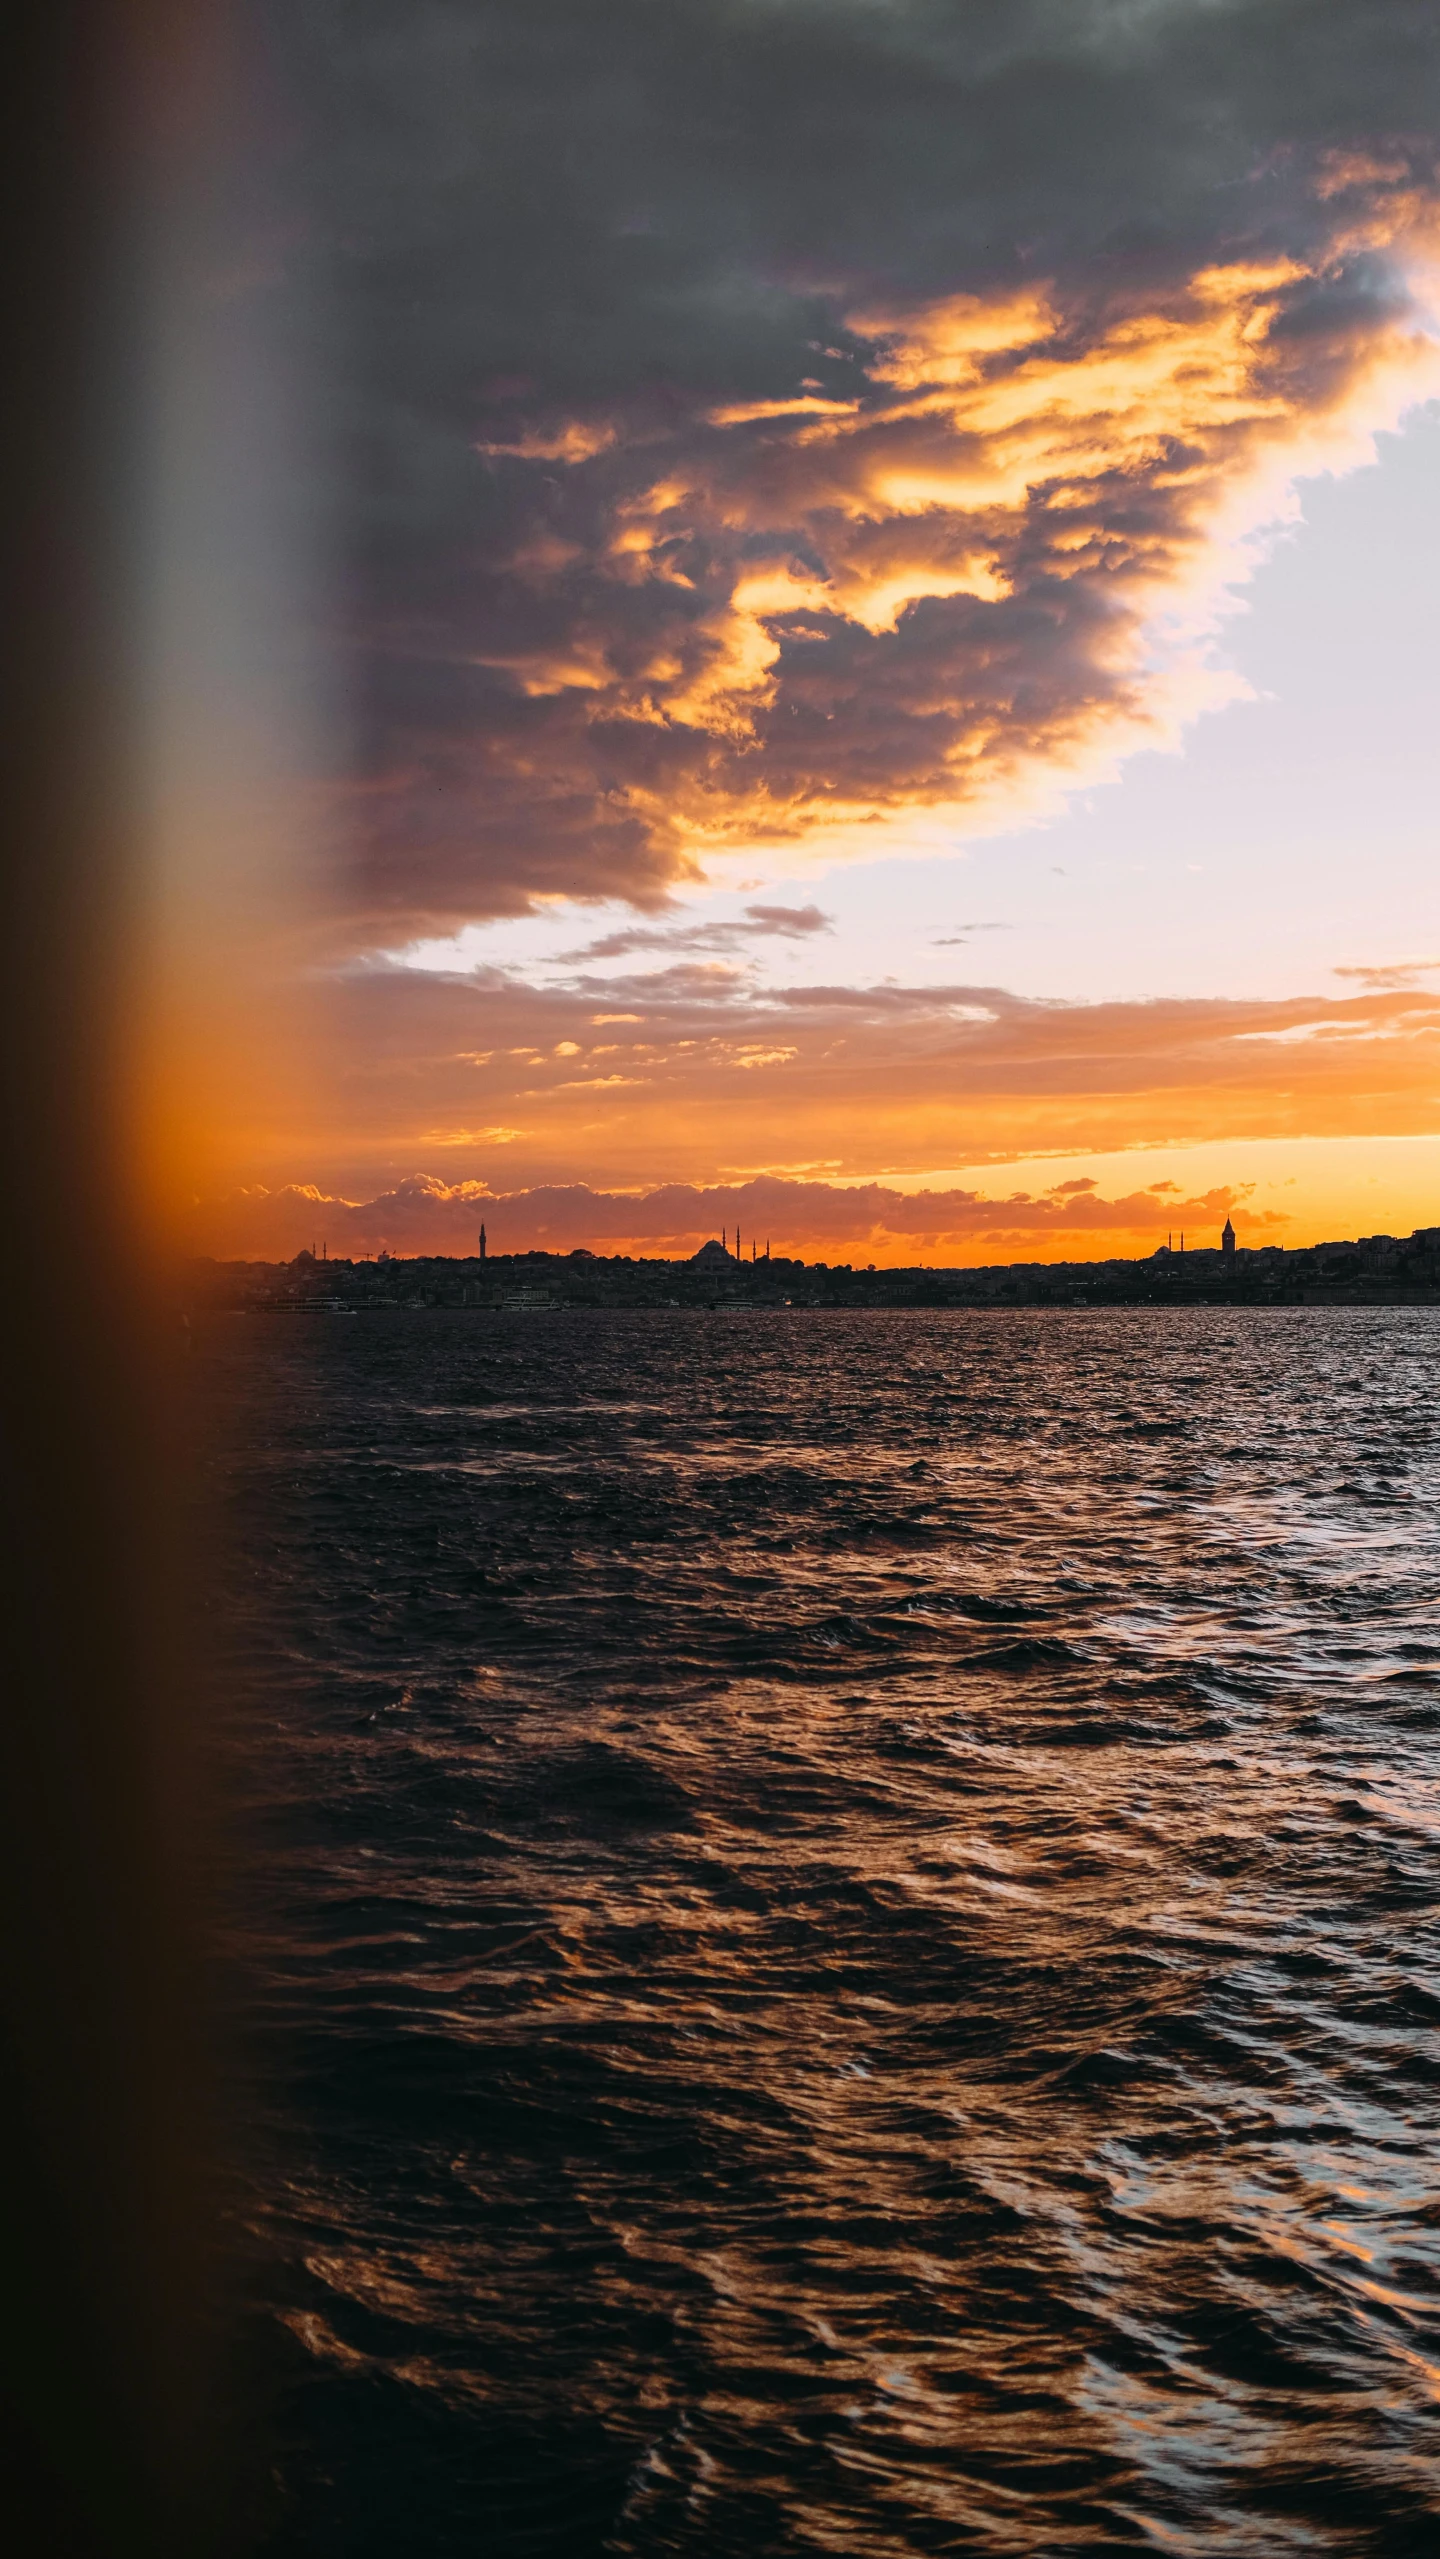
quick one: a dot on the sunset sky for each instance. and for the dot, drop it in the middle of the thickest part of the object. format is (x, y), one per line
(813, 611)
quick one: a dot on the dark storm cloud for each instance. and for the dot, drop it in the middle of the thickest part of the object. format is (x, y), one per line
(745, 416)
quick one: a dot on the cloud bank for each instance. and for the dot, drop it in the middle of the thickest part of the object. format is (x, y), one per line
(818, 1220)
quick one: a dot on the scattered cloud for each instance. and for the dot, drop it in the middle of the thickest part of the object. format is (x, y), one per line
(762, 923)
(472, 1137)
(1398, 975)
(697, 1065)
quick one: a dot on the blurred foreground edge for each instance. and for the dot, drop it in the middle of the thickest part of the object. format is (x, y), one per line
(109, 2433)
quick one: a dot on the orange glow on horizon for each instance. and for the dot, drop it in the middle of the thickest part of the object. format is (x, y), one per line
(1072, 1210)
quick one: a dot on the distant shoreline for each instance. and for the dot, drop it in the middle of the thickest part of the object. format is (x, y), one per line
(1377, 1271)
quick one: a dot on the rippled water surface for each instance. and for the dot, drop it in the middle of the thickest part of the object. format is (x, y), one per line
(841, 1925)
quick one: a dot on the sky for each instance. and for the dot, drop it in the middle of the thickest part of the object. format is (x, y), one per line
(812, 612)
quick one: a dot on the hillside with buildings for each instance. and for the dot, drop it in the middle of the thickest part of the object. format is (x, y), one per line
(1375, 1269)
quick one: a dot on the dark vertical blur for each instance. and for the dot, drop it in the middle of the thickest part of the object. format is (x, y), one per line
(108, 2417)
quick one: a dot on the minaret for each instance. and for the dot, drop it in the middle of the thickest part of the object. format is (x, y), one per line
(482, 1243)
(1227, 1241)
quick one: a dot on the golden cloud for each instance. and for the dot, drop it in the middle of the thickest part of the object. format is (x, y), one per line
(689, 1066)
(981, 579)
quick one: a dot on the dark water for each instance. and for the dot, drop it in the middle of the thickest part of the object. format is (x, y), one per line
(842, 1921)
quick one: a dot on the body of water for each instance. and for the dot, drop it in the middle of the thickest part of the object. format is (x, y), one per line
(836, 1934)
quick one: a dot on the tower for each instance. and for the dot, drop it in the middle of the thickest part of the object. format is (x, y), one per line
(1227, 1241)
(482, 1243)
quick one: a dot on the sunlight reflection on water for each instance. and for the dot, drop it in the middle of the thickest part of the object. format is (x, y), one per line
(812, 2004)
